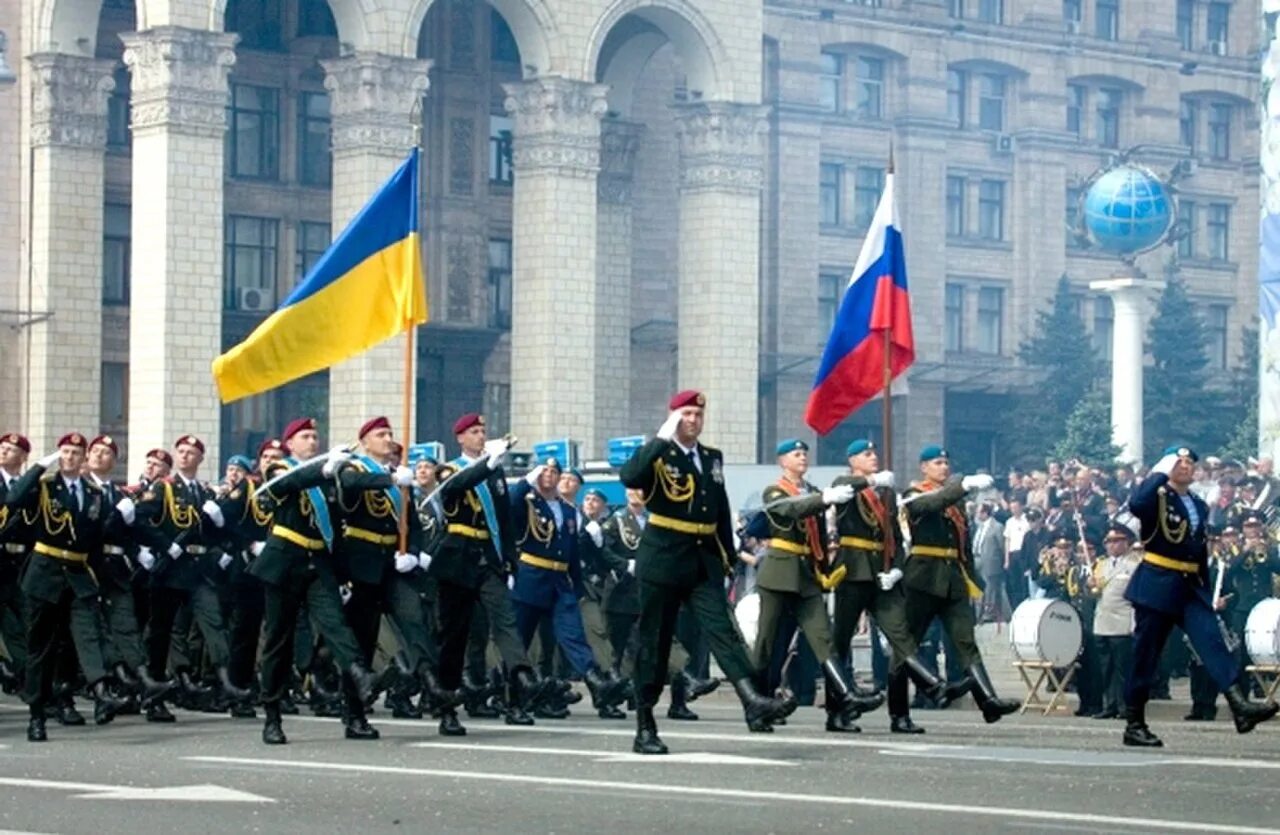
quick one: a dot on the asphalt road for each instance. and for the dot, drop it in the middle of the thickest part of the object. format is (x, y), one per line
(1025, 774)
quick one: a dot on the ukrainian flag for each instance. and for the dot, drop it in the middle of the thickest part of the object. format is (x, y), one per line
(367, 287)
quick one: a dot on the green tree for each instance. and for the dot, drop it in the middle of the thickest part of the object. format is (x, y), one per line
(1240, 420)
(1059, 349)
(1177, 406)
(1088, 432)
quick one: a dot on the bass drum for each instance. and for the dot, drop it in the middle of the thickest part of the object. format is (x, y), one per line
(1046, 630)
(747, 613)
(1262, 632)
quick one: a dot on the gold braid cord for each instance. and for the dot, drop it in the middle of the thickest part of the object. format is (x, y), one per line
(260, 518)
(677, 488)
(1162, 510)
(183, 517)
(54, 522)
(539, 530)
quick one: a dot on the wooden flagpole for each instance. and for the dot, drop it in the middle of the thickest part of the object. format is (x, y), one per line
(887, 413)
(406, 411)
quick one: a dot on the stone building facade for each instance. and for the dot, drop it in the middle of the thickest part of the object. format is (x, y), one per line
(635, 194)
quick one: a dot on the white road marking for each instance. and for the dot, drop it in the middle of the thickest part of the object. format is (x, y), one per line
(691, 758)
(97, 791)
(1075, 817)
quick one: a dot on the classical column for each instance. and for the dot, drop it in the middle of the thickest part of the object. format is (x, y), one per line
(1130, 296)
(179, 102)
(554, 292)
(372, 99)
(68, 140)
(618, 142)
(722, 159)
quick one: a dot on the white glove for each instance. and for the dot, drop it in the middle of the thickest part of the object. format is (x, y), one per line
(255, 548)
(175, 550)
(631, 567)
(126, 508)
(496, 450)
(535, 474)
(596, 534)
(224, 561)
(332, 464)
(977, 482)
(146, 559)
(49, 460)
(406, 562)
(344, 592)
(402, 476)
(1166, 464)
(511, 581)
(839, 494)
(211, 509)
(889, 579)
(424, 560)
(667, 430)
(884, 478)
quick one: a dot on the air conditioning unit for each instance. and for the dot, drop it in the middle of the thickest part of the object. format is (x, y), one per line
(1073, 27)
(1003, 143)
(1217, 47)
(254, 299)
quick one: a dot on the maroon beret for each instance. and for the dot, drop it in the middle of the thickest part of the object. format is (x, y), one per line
(688, 397)
(295, 426)
(20, 441)
(162, 456)
(73, 439)
(270, 443)
(467, 421)
(107, 441)
(372, 424)
(190, 440)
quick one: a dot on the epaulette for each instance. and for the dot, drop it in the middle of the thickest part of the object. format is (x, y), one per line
(91, 486)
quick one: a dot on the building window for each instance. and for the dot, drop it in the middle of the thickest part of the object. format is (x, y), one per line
(954, 326)
(991, 210)
(867, 184)
(315, 20)
(830, 285)
(1216, 24)
(991, 90)
(1187, 221)
(870, 90)
(957, 196)
(991, 11)
(502, 43)
(957, 99)
(1075, 109)
(114, 404)
(115, 253)
(1215, 331)
(500, 284)
(830, 82)
(957, 9)
(497, 403)
(1186, 23)
(1218, 225)
(1107, 19)
(257, 22)
(119, 137)
(1107, 115)
(314, 160)
(501, 169)
(1072, 12)
(253, 133)
(250, 263)
(1188, 119)
(829, 191)
(1103, 325)
(1220, 131)
(990, 320)
(313, 240)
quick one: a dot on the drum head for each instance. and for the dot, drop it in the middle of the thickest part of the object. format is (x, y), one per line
(1262, 632)
(1046, 630)
(747, 614)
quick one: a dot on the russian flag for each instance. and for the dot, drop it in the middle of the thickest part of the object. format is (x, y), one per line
(876, 302)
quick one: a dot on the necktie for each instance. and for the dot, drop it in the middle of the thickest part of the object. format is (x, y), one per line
(697, 463)
(75, 491)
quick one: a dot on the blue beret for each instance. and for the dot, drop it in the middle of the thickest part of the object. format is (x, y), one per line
(1182, 452)
(933, 452)
(240, 461)
(858, 447)
(598, 493)
(576, 473)
(791, 445)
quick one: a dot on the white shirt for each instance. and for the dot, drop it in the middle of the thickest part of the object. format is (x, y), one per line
(692, 452)
(1014, 530)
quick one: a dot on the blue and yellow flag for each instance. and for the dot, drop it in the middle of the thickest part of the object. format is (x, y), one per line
(367, 287)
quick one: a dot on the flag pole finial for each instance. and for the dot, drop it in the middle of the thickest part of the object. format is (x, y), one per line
(890, 168)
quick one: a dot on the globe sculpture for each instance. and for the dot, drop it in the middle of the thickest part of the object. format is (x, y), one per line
(1127, 210)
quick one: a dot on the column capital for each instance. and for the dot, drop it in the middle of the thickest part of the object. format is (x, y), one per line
(374, 99)
(1123, 288)
(69, 100)
(619, 141)
(721, 145)
(557, 125)
(179, 79)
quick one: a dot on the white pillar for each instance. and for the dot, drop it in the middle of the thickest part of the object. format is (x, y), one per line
(1130, 297)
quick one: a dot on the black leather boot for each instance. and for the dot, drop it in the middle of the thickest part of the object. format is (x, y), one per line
(760, 711)
(449, 724)
(358, 727)
(929, 685)
(475, 699)
(900, 706)
(992, 706)
(35, 726)
(190, 686)
(854, 703)
(157, 712)
(525, 692)
(647, 741)
(1248, 715)
(66, 712)
(231, 690)
(151, 688)
(105, 704)
(605, 691)
(842, 709)
(126, 677)
(363, 680)
(1136, 732)
(9, 681)
(434, 694)
(699, 687)
(679, 708)
(272, 729)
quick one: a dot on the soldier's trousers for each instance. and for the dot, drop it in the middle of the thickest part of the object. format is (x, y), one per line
(124, 636)
(659, 608)
(566, 623)
(282, 604)
(477, 654)
(457, 607)
(1151, 631)
(625, 640)
(957, 622)
(413, 622)
(167, 635)
(247, 601)
(13, 625)
(45, 620)
(810, 614)
(889, 608)
(597, 631)
(1115, 654)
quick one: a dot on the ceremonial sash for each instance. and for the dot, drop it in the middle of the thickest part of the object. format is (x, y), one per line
(320, 505)
(956, 517)
(889, 543)
(812, 534)
(486, 504)
(393, 493)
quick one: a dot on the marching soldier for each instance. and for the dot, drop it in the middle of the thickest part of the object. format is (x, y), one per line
(683, 558)
(1171, 588)
(14, 545)
(592, 517)
(938, 577)
(871, 555)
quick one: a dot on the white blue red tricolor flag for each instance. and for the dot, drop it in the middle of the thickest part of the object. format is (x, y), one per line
(875, 302)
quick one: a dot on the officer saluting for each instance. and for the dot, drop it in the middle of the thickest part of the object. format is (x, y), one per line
(1171, 588)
